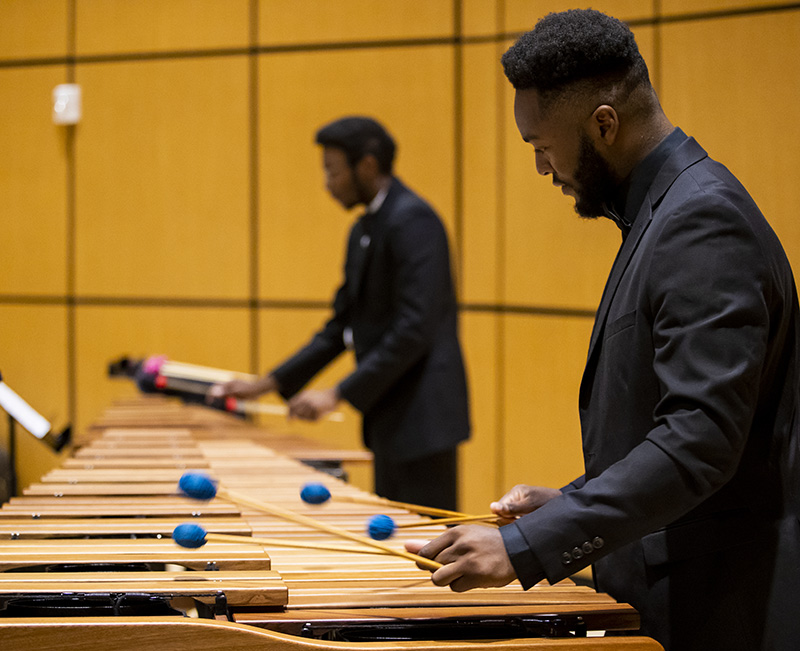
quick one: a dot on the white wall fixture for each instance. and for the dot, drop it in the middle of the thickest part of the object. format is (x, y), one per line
(67, 104)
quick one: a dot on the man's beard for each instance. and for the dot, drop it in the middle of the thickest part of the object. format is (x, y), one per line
(595, 181)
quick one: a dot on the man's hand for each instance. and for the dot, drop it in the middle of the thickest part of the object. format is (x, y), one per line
(312, 404)
(473, 557)
(523, 499)
(241, 389)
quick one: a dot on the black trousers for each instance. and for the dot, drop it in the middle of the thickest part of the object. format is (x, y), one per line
(427, 481)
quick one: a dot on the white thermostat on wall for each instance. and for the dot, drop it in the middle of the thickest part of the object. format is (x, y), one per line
(67, 104)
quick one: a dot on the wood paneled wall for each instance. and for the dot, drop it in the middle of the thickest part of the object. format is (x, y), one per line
(186, 214)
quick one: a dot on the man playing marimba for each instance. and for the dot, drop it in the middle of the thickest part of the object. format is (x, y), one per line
(688, 509)
(397, 310)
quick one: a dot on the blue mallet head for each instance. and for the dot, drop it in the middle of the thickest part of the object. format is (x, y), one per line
(380, 527)
(198, 485)
(315, 494)
(189, 535)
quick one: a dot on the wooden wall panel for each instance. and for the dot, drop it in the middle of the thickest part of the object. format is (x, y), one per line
(162, 177)
(33, 28)
(33, 184)
(303, 230)
(122, 26)
(284, 22)
(688, 7)
(521, 15)
(479, 17)
(543, 364)
(207, 336)
(33, 362)
(480, 481)
(482, 157)
(5, 460)
(742, 107)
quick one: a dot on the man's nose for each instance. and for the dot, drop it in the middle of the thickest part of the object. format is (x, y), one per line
(543, 165)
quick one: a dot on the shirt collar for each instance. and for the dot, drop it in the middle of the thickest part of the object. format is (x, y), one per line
(377, 201)
(631, 193)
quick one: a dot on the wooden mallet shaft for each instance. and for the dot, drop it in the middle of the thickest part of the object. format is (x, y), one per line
(286, 514)
(490, 518)
(276, 542)
(188, 385)
(201, 373)
(414, 508)
(251, 407)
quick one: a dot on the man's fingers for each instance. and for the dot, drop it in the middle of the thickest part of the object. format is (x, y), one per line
(446, 575)
(300, 408)
(214, 392)
(508, 510)
(438, 545)
(414, 546)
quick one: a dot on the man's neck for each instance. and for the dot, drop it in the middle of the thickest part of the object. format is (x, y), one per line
(640, 143)
(374, 204)
(381, 189)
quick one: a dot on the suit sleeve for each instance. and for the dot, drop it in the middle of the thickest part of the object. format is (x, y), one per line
(575, 484)
(422, 289)
(707, 292)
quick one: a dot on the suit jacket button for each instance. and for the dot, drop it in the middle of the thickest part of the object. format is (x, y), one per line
(566, 558)
(587, 547)
(365, 239)
(598, 542)
(577, 553)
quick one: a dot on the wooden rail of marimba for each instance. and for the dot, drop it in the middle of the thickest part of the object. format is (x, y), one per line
(113, 505)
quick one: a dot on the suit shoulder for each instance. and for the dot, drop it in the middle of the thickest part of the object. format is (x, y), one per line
(408, 206)
(708, 189)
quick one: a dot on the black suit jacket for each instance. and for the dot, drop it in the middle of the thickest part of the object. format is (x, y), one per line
(688, 406)
(398, 301)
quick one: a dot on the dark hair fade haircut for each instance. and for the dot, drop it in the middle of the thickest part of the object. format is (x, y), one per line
(358, 136)
(567, 48)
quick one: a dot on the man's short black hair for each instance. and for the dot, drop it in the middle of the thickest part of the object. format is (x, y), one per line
(358, 136)
(570, 47)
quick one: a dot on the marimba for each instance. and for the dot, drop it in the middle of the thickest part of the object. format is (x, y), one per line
(87, 562)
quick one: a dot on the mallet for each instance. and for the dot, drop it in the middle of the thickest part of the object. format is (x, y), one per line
(313, 493)
(201, 486)
(160, 365)
(381, 527)
(193, 536)
(231, 404)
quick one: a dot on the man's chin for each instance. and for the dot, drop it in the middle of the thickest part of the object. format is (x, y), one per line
(587, 212)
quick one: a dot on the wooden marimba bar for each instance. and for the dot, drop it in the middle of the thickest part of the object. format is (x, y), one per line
(100, 526)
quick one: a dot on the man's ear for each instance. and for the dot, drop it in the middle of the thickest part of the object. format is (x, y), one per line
(367, 167)
(603, 126)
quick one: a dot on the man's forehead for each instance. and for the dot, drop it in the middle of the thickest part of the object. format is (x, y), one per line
(538, 116)
(528, 112)
(333, 155)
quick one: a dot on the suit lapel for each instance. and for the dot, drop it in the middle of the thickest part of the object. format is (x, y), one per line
(686, 155)
(359, 244)
(624, 254)
(366, 233)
